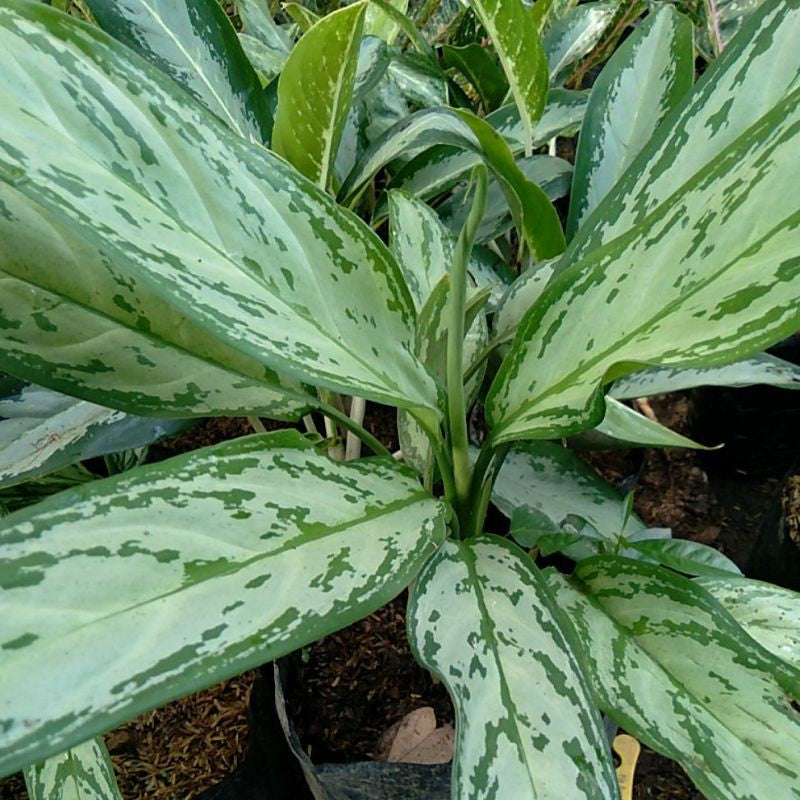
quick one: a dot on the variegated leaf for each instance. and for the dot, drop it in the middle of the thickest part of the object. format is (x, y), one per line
(154, 584)
(379, 24)
(761, 369)
(644, 80)
(533, 212)
(515, 38)
(194, 43)
(218, 229)
(710, 276)
(481, 618)
(752, 76)
(671, 667)
(576, 35)
(304, 17)
(441, 167)
(519, 297)
(134, 352)
(551, 484)
(42, 431)
(315, 90)
(258, 24)
(769, 613)
(420, 80)
(552, 175)
(422, 246)
(83, 773)
(726, 17)
(432, 331)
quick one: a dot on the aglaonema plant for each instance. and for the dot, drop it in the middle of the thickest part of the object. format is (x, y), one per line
(156, 257)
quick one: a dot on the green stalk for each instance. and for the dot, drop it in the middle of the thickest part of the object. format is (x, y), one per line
(456, 403)
(351, 425)
(486, 468)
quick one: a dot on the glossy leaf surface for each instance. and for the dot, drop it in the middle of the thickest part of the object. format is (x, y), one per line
(440, 167)
(516, 40)
(477, 66)
(533, 211)
(576, 35)
(140, 354)
(644, 80)
(222, 231)
(152, 585)
(315, 91)
(194, 43)
(710, 276)
(83, 773)
(550, 480)
(761, 369)
(550, 174)
(753, 75)
(42, 431)
(669, 665)
(770, 614)
(627, 426)
(525, 721)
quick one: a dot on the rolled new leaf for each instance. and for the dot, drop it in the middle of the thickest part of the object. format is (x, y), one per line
(146, 587)
(222, 232)
(482, 619)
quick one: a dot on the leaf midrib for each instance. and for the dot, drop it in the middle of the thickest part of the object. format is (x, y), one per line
(621, 242)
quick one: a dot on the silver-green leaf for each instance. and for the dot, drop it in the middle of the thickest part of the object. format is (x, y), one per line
(84, 772)
(670, 666)
(220, 230)
(151, 585)
(481, 618)
(516, 40)
(644, 80)
(42, 431)
(194, 43)
(769, 613)
(710, 275)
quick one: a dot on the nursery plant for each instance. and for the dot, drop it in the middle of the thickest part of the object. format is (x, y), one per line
(188, 229)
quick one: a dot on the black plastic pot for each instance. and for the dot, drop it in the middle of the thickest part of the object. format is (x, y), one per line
(277, 768)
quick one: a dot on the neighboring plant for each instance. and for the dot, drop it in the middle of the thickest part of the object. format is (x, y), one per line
(157, 258)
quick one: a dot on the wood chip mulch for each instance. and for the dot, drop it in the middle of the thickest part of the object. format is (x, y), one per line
(177, 751)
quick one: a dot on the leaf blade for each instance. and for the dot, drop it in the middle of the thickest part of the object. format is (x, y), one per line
(489, 659)
(315, 90)
(268, 574)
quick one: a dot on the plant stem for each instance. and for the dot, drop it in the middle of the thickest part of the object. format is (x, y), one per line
(457, 412)
(256, 424)
(486, 468)
(713, 21)
(332, 400)
(358, 407)
(350, 425)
